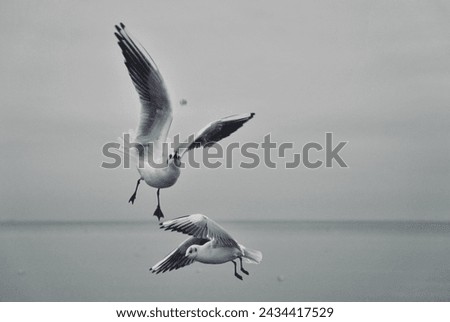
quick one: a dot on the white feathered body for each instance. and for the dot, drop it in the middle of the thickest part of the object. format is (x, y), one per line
(160, 177)
(165, 174)
(210, 253)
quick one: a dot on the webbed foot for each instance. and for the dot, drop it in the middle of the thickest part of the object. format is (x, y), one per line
(132, 198)
(158, 213)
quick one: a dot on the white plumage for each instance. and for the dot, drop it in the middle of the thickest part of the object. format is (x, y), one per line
(156, 118)
(209, 244)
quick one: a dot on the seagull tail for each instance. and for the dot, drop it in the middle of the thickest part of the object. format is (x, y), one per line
(251, 255)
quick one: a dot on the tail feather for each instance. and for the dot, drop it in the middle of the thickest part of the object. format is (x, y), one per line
(251, 255)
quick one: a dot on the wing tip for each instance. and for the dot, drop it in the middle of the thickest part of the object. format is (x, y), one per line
(120, 27)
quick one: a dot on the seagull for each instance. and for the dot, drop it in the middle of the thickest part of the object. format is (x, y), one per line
(209, 244)
(156, 118)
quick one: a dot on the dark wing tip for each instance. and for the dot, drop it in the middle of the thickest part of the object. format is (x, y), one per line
(252, 114)
(154, 271)
(120, 27)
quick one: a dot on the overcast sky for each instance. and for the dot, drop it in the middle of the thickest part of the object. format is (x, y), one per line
(376, 74)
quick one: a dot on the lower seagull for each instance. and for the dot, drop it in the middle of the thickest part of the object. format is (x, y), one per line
(209, 244)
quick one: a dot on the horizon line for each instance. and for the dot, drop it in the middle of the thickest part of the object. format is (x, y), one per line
(243, 220)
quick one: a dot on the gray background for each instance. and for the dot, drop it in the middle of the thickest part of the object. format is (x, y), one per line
(375, 74)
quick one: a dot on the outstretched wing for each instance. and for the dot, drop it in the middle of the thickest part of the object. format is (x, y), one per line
(214, 132)
(156, 112)
(177, 258)
(200, 226)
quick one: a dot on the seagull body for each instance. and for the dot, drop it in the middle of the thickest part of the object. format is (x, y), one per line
(209, 244)
(156, 118)
(160, 178)
(211, 253)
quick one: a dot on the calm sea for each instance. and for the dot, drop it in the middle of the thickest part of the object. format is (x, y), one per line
(303, 261)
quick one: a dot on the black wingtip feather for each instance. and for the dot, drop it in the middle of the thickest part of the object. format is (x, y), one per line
(122, 25)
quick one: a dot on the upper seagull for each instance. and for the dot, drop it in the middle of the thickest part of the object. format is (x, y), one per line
(156, 118)
(209, 244)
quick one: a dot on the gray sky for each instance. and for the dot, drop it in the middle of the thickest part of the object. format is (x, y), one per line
(376, 74)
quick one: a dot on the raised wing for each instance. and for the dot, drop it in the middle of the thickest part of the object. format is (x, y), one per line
(215, 132)
(156, 112)
(200, 226)
(177, 258)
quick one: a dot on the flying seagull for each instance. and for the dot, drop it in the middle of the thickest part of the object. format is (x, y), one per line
(209, 244)
(156, 118)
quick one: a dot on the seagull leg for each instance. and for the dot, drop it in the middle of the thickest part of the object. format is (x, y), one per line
(133, 197)
(158, 213)
(235, 271)
(242, 267)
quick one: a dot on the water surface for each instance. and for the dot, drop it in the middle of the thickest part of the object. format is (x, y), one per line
(303, 261)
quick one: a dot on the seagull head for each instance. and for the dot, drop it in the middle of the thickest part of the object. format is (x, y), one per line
(192, 252)
(174, 160)
(177, 159)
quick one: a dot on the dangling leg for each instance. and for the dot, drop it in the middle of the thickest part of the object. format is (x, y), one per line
(242, 267)
(235, 271)
(133, 197)
(158, 213)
